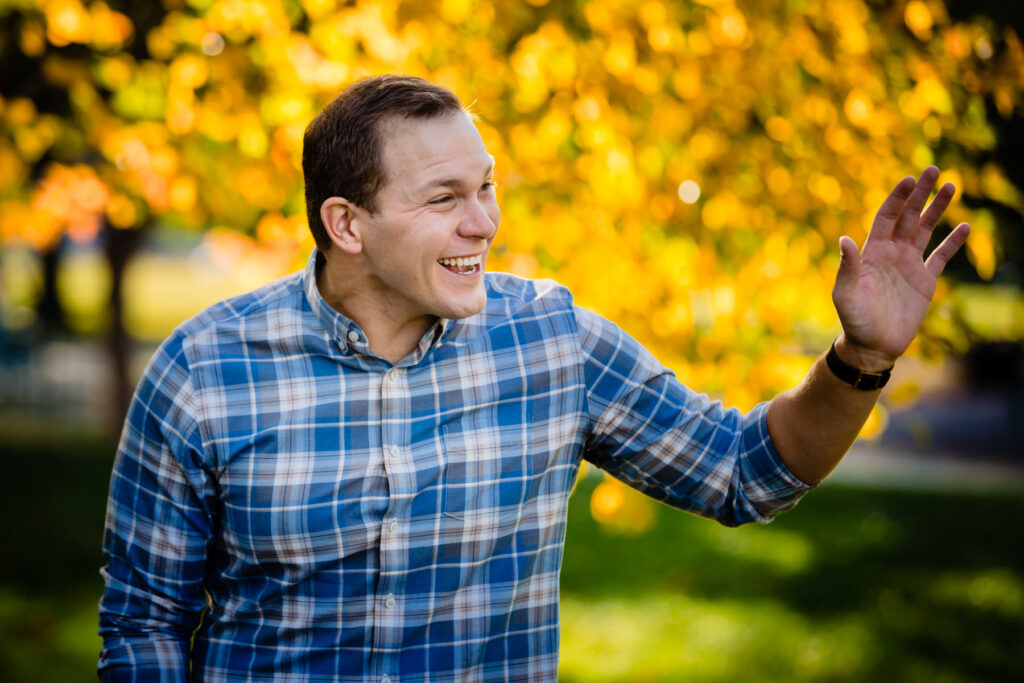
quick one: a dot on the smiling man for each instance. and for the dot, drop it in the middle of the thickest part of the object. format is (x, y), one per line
(361, 472)
(418, 253)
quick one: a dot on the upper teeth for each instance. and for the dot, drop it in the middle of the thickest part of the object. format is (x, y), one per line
(460, 262)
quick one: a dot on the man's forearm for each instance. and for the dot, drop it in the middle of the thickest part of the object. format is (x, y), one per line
(813, 424)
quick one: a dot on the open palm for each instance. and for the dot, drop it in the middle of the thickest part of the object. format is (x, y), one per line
(883, 291)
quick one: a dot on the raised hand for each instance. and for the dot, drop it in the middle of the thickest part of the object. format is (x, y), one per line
(882, 292)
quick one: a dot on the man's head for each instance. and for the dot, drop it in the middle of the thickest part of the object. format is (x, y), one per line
(414, 245)
(343, 148)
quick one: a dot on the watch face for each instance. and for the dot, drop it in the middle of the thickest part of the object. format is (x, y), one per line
(869, 382)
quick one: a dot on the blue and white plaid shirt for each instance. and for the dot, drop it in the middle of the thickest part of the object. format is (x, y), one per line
(343, 519)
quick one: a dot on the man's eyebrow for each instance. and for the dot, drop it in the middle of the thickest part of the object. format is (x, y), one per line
(454, 181)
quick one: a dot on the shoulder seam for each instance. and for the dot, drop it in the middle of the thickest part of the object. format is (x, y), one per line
(224, 310)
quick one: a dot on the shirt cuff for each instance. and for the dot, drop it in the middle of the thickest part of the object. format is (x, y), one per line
(772, 488)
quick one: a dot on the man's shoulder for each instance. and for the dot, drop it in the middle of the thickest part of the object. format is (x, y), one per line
(541, 309)
(508, 289)
(262, 308)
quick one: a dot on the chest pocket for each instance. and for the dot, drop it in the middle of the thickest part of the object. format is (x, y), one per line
(489, 474)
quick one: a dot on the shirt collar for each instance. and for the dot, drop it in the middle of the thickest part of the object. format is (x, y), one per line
(345, 332)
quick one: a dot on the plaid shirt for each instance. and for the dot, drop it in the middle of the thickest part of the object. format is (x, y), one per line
(342, 519)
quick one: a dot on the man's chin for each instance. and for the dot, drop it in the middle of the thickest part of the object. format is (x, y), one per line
(463, 314)
(463, 309)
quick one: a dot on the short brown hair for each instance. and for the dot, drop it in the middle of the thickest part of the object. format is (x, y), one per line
(343, 148)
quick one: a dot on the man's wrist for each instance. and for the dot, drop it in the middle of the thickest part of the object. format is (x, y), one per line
(856, 376)
(862, 357)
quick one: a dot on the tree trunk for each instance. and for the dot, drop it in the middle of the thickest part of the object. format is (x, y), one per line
(51, 321)
(120, 246)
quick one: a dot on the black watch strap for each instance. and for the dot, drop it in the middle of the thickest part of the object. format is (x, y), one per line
(855, 377)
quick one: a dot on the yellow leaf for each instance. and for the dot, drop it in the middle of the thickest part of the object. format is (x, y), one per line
(859, 108)
(876, 423)
(981, 252)
(918, 18)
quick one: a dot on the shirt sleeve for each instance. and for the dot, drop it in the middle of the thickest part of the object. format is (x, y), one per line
(158, 524)
(680, 447)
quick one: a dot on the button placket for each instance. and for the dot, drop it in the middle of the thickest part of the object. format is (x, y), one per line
(393, 562)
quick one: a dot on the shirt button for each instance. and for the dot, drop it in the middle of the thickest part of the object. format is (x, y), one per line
(385, 679)
(389, 602)
(392, 526)
(393, 451)
(353, 336)
(392, 374)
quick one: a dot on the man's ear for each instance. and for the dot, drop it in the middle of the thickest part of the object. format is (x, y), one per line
(339, 218)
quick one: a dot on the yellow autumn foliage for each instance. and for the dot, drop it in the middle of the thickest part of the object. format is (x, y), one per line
(685, 167)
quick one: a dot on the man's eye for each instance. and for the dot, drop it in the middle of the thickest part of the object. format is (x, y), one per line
(441, 200)
(489, 185)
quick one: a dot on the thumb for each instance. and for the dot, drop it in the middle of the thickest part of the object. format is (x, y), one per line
(849, 264)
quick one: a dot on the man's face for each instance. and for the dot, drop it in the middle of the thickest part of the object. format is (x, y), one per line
(436, 217)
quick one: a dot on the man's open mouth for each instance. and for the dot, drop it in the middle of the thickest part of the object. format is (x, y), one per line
(463, 265)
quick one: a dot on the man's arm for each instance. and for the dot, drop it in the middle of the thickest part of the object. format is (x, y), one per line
(882, 293)
(157, 530)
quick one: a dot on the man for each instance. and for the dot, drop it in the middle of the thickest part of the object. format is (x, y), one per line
(361, 472)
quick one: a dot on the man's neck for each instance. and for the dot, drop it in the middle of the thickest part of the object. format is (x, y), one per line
(390, 337)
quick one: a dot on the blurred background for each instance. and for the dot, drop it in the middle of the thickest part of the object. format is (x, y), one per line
(685, 167)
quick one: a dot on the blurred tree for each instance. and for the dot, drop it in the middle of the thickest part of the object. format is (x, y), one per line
(685, 167)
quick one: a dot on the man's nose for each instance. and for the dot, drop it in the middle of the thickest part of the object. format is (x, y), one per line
(480, 219)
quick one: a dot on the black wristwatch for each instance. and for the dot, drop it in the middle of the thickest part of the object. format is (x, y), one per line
(855, 377)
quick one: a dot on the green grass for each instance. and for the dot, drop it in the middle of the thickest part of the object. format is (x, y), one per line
(51, 526)
(854, 584)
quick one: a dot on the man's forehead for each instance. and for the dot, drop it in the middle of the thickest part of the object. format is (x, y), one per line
(432, 145)
(450, 124)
